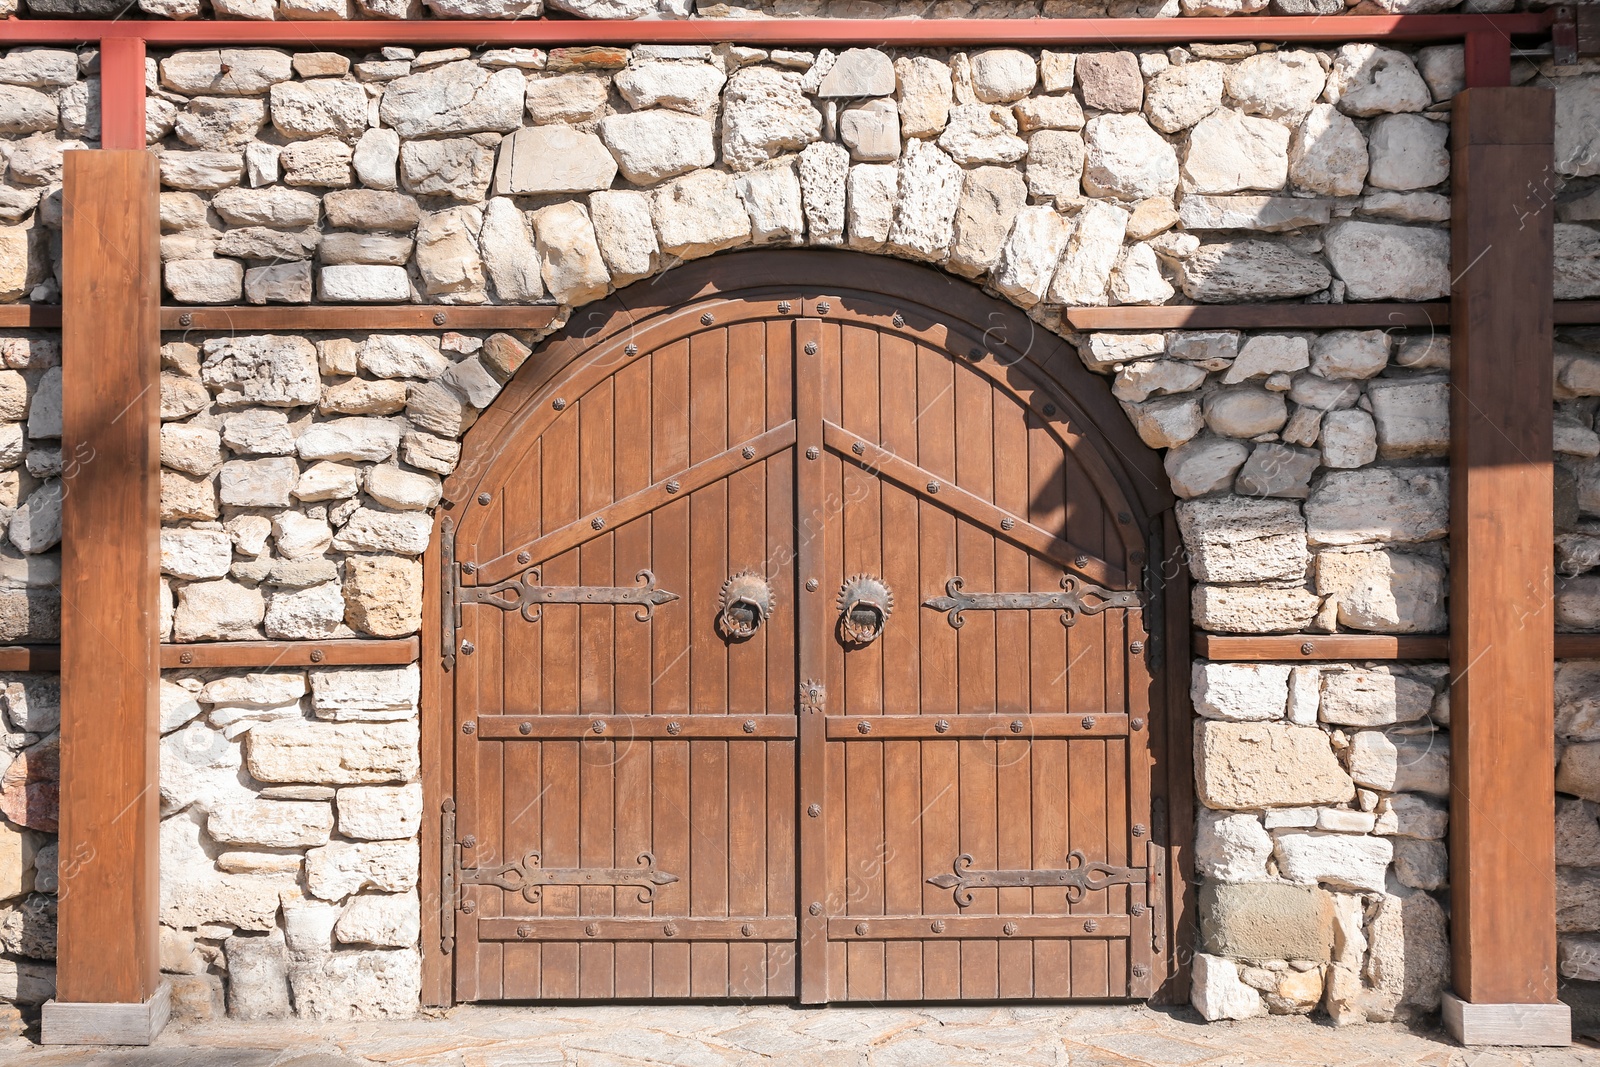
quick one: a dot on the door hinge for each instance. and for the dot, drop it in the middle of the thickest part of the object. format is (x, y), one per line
(449, 614)
(449, 860)
(1156, 884)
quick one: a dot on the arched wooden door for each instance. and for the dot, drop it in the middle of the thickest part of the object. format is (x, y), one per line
(802, 649)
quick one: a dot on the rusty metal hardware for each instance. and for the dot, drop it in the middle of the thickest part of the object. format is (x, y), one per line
(813, 696)
(746, 930)
(484, 498)
(746, 603)
(942, 726)
(823, 307)
(1136, 724)
(707, 319)
(899, 320)
(861, 929)
(440, 318)
(1136, 647)
(748, 726)
(937, 926)
(1071, 600)
(784, 307)
(814, 810)
(559, 404)
(1090, 926)
(469, 727)
(528, 878)
(630, 350)
(186, 319)
(1078, 877)
(1088, 722)
(447, 592)
(865, 604)
(1009, 929)
(529, 597)
(815, 908)
(447, 885)
(674, 728)
(811, 348)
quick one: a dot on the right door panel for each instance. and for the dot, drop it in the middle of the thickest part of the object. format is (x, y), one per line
(986, 764)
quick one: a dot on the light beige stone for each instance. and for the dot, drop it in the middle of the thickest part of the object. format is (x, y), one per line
(1257, 765)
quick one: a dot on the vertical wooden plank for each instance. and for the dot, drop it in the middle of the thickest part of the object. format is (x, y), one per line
(813, 633)
(902, 771)
(596, 681)
(941, 837)
(1501, 597)
(110, 890)
(1173, 813)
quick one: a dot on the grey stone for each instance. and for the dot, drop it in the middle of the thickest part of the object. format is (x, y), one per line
(1379, 504)
(453, 98)
(553, 159)
(1263, 921)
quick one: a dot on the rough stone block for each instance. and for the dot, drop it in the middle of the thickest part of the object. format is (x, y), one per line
(1265, 765)
(1265, 921)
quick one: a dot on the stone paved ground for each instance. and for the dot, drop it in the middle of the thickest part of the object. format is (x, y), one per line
(715, 1036)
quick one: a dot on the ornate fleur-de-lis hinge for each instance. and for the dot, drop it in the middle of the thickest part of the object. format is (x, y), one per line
(1078, 877)
(1077, 597)
(528, 596)
(528, 878)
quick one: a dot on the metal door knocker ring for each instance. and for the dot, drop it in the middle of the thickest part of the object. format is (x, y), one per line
(746, 604)
(865, 603)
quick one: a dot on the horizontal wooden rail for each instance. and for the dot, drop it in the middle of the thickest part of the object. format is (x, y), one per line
(30, 658)
(1321, 646)
(869, 32)
(1577, 646)
(290, 653)
(360, 317)
(30, 316)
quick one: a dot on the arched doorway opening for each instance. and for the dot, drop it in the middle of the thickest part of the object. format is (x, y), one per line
(809, 631)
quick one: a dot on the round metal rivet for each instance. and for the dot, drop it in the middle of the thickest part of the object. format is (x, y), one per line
(523, 557)
(784, 307)
(674, 728)
(440, 318)
(815, 908)
(1009, 929)
(524, 728)
(598, 726)
(558, 403)
(1090, 926)
(815, 810)
(811, 348)
(707, 319)
(469, 727)
(469, 906)
(942, 726)
(861, 929)
(748, 452)
(899, 320)
(671, 930)
(468, 648)
(630, 350)
(468, 567)
(1307, 648)
(1017, 726)
(1137, 724)
(1139, 969)
(811, 587)
(859, 449)
(524, 930)
(933, 487)
(317, 655)
(1088, 722)
(1137, 648)
(469, 842)
(1081, 561)
(824, 307)
(863, 727)
(974, 354)
(673, 486)
(1137, 909)
(1124, 518)
(1049, 409)
(591, 929)
(813, 452)
(937, 926)
(186, 319)
(1138, 829)
(747, 930)
(1007, 523)
(598, 523)
(749, 726)
(185, 657)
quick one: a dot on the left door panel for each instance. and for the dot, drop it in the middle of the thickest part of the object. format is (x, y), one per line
(625, 732)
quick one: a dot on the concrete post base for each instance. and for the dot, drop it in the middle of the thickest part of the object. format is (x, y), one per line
(1507, 1024)
(105, 1024)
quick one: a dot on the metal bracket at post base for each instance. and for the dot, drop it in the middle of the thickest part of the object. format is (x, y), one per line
(68, 1023)
(1524, 1025)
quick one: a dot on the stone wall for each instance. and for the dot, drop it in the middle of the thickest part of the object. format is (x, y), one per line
(47, 104)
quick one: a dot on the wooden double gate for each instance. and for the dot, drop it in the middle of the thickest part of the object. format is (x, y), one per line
(799, 644)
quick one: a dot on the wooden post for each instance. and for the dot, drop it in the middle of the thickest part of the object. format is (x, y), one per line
(1502, 632)
(108, 983)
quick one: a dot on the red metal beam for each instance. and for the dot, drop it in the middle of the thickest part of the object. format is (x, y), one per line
(122, 93)
(1488, 59)
(873, 32)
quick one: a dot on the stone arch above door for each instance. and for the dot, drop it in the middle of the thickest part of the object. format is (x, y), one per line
(802, 338)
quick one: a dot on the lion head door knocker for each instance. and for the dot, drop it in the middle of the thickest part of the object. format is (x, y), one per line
(865, 603)
(746, 604)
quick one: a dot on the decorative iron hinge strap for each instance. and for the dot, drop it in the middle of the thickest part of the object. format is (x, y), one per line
(1079, 876)
(447, 883)
(528, 878)
(448, 616)
(1077, 597)
(529, 596)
